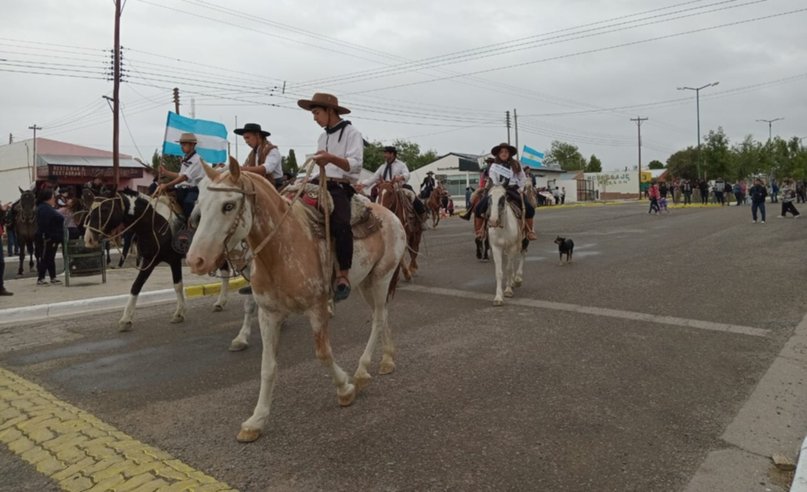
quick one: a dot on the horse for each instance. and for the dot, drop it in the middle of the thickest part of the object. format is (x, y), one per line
(151, 220)
(397, 200)
(434, 203)
(90, 200)
(25, 227)
(292, 272)
(508, 243)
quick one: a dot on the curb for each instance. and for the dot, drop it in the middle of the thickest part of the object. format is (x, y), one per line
(97, 304)
(800, 479)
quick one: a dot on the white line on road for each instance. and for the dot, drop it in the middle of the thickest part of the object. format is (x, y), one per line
(595, 311)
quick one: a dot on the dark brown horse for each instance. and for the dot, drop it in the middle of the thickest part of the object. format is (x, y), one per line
(397, 199)
(25, 226)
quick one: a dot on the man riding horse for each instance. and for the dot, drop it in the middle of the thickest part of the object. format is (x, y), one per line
(186, 181)
(427, 186)
(506, 171)
(394, 170)
(264, 158)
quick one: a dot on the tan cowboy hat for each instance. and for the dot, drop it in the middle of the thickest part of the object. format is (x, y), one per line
(187, 138)
(495, 150)
(323, 100)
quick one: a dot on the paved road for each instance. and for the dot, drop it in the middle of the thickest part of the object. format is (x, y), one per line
(619, 372)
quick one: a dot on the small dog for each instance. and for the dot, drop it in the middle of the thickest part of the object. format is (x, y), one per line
(565, 246)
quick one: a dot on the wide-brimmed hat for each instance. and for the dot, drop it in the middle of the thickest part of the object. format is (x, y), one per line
(187, 138)
(253, 128)
(391, 148)
(429, 172)
(323, 100)
(495, 150)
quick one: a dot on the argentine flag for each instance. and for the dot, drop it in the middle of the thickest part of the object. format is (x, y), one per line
(212, 137)
(532, 157)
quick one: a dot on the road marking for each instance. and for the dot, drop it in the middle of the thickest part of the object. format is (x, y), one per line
(80, 452)
(595, 311)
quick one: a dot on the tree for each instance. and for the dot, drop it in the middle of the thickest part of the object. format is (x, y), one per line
(171, 162)
(565, 155)
(655, 164)
(683, 164)
(290, 163)
(718, 160)
(594, 165)
(408, 152)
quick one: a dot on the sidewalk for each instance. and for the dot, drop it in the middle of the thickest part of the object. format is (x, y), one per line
(32, 302)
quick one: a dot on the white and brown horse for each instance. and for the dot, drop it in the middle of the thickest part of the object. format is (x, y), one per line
(292, 273)
(507, 242)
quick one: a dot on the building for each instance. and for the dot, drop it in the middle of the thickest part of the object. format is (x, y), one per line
(69, 164)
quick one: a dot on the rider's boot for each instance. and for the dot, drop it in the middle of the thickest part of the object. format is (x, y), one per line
(467, 214)
(479, 227)
(529, 229)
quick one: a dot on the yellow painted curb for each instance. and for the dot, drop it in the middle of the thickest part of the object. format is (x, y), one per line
(80, 452)
(192, 291)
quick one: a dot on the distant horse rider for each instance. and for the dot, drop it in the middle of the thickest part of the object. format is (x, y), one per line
(507, 171)
(264, 158)
(480, 191)
(186, 181)
(427, 186)
(394, 170)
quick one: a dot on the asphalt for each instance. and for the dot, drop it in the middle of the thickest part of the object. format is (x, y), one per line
(510, 398)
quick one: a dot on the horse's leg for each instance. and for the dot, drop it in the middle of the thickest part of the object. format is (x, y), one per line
(508, 274)
(518, 278)
(270, 336)
(179, 288)
(498, 266)
(125, 323)
(241, 341)
(414, 248)
(319, 318)
(221, 301)
(376, 298)
(20, 271)
(108, 258)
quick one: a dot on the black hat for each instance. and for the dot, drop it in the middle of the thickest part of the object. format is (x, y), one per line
(251, 127)
(391, 148)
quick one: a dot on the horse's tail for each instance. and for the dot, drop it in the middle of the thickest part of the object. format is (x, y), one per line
(393, 283)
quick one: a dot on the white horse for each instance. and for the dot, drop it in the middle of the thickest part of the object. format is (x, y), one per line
(292, 274)
(506, 236)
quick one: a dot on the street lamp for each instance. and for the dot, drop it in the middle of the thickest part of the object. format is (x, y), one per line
(770, 124)
(698, 110)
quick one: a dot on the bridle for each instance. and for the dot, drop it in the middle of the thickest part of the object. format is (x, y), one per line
(237, 258)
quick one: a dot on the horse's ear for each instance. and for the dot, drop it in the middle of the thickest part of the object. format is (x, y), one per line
(21, 190)
(235, 169)
(209, 171)
(233, 161)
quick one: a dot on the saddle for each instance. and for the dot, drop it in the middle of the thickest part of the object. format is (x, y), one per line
(362, 220)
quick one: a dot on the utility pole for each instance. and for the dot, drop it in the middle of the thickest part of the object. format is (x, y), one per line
(639, 121)
(176, 100)
(507, 121)
(10, 138)
(515, 127)
(770, 126)
(193, 107)
(116, 100)
(33, 170)
(236, 138)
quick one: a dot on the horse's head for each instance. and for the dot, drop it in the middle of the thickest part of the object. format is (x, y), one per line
(224, 218)
(26, 207)
(386, 194)
(497, 197)
(103, 218)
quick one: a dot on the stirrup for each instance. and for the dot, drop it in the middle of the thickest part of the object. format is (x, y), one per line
(341, 291)
(245, 291)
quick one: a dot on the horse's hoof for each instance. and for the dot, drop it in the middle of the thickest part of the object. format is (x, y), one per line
(178, 318)
(217, 308)
(386, 367)
(498, 302)
(517, 282)
(248, 435)
(346, 399)
(362, 381)
(124, 326)
(237, 346)
(508, 293)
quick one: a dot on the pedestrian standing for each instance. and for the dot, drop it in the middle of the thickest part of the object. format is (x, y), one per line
(788, 197)
(3, 291)
(654, 195)
(49, 227)
(563, 196)
(686, 189)
(468, 193)
(704, 189)
(774, 191)
(719, 186)
(758, 193)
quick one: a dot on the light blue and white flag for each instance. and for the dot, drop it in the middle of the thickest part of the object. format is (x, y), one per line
(532, 157)
(211, 137)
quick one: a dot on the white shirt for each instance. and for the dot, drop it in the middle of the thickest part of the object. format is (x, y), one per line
(273, 166)
(396, 168)
(498, 174)
(350, 146)
(192, 169)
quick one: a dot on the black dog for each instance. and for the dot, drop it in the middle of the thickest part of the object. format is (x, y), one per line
(565, 246)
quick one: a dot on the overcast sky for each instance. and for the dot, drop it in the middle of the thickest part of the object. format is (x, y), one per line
(441, 74)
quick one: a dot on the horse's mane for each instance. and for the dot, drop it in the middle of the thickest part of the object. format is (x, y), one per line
(130, 192)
